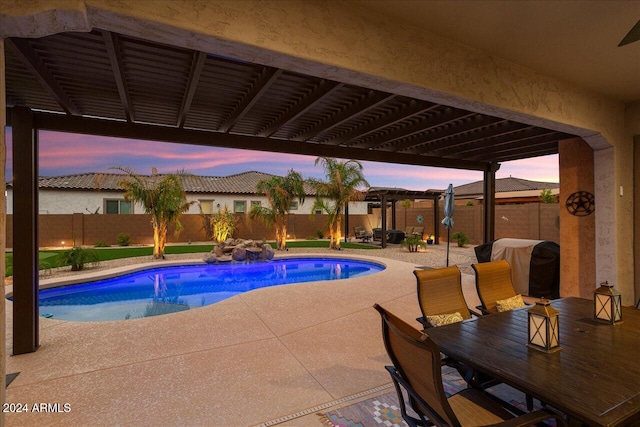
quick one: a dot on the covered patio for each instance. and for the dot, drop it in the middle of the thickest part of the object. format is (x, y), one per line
(306, 79)
(106, 83)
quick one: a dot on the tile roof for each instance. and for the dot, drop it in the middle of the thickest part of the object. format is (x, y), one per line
(241, 183)
(504, 185)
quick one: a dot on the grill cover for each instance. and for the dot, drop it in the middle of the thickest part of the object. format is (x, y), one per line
(535, 264)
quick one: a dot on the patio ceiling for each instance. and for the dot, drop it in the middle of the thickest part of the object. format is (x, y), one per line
(155, 91)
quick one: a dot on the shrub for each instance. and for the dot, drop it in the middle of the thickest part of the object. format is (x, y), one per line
(461, 238)
(100, 244)
(224, 224)
(77, 257)
(469, 203)
(320, 234)
(412, 242)
(124, 239)
(547, 197)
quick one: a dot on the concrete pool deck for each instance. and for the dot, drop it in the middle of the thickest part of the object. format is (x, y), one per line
(277, 353)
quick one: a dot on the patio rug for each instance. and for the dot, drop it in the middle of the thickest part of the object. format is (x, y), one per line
(383, 410)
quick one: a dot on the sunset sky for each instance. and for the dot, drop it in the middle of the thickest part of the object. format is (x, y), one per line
(66, 154)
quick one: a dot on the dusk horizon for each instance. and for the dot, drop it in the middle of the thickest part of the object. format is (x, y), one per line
(69, 154)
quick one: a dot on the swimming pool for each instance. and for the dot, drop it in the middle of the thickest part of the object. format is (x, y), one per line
(164, 290)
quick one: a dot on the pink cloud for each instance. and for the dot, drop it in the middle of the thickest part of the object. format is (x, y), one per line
(543, 168)
(62, 154)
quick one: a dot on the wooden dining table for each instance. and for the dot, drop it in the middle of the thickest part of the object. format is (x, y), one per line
(594, 378)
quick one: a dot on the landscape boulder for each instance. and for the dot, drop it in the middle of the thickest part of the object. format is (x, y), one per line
(239, 250)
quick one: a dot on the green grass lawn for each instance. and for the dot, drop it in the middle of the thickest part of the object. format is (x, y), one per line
(49, 258)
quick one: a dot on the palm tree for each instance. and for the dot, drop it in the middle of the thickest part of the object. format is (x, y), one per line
(342, 186)
(162, 197)
(281, 192)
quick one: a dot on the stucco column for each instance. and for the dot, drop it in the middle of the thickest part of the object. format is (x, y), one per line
(577, 232)
(3, 225)
(605, 228)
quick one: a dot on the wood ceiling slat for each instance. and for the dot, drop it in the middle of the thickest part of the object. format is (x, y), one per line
(30, 59)
(476, 129)
(434, 121)
(324, 88)
(493, 136)
(266, 78)
(407, 111)
(518, 153)
(368, 102)
(533, 144)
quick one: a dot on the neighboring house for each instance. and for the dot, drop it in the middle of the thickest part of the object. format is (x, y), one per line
(508, 190)
(99, 193)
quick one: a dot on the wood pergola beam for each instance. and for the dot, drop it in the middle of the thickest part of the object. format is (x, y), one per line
(115, 58)
(121, 129)
(194, 77)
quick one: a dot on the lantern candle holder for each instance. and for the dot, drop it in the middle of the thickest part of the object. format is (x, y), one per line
(607, 304)
(544, 327)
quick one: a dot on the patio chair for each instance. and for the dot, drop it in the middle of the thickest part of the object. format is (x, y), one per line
(440, 294)
(416, 369)
(493, 283)
(418, 231)
(440, 298)
(361, 233)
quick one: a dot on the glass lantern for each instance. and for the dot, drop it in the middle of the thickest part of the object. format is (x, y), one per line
(544, 327)
(607, 304)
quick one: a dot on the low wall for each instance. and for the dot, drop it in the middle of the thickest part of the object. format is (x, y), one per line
(536, 221)
(63, 230)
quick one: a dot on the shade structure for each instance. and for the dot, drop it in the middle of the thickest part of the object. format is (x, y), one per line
(448, 214)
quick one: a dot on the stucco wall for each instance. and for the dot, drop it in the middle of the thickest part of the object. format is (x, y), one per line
(70, 202)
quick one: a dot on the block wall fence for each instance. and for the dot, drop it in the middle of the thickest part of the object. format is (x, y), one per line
(536, 221)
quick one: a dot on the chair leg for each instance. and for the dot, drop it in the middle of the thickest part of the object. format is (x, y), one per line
(529, 399)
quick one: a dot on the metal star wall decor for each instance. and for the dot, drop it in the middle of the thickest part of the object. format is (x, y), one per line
(581, 203)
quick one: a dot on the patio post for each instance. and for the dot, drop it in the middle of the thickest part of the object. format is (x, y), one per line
(436, 220)
(489, 207)
(346, 222)
(383, 212)
(25, 232)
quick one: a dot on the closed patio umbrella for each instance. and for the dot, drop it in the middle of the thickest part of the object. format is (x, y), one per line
(448, 214)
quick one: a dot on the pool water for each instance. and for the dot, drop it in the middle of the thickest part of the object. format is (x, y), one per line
(166, 290)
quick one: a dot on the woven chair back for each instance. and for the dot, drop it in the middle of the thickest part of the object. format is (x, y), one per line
(493, 283)
(417, 359)
(440, 291)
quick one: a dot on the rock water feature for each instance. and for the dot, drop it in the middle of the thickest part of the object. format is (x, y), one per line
(239, 250)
